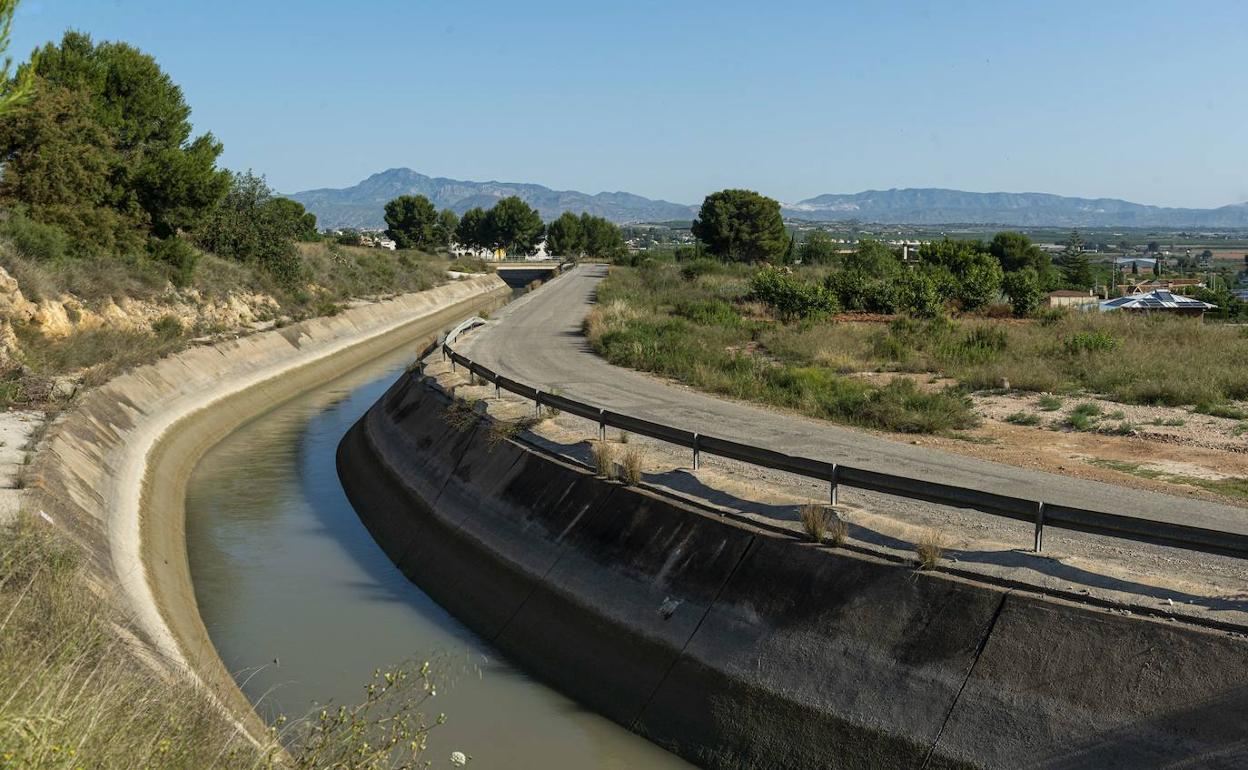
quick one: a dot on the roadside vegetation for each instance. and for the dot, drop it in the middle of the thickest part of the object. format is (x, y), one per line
(860, 337)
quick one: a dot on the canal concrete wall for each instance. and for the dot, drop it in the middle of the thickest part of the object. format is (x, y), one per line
(113, 470)
(739, 648)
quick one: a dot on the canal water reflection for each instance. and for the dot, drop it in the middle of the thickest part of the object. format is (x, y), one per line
(302, 605)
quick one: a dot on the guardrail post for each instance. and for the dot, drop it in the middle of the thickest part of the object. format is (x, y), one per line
(537, 405)
(832, 495)
(697, 453)
(1039, 527)
(444, 354)
(498, 391)
(602, 425)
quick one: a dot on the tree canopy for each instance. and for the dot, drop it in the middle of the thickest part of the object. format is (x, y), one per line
(564, 236)
(412, 223)
(104, 149)
(818, 249)
(741, 226)
(515, 226)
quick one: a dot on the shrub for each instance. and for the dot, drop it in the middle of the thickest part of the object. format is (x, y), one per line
(167, 326)
(1048, 403)
(1023, 418)
(631, 466)
(791, 297)
(1090, 342)
(918, 295)
(35, 240)
(178, 255)
(1024, 290)
(930, 549)
(699, 267)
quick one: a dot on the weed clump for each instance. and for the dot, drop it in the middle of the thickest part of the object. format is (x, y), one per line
(930, 550)
(603, 455)
(631, 466)
(461, 414)
(1048, 403)
(1023, 418)
(822, 524)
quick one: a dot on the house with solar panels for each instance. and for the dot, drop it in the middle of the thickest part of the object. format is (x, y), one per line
(1159, 302)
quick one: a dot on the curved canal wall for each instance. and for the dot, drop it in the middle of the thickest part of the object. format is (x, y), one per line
(736, 647)
(113, 470)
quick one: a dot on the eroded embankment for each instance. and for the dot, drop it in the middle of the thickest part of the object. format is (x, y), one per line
(113, 470)
(739, 648)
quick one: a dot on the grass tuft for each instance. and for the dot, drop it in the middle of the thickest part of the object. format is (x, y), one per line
(631, 466)
(930, 550)
(1024, 418)
(603, 455)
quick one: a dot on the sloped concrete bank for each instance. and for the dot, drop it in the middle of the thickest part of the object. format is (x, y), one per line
(736, 647)
(113, 471)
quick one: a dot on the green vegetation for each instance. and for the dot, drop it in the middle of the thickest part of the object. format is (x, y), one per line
(742, 226)
(1048, 403)
(772, 335)
(412, 222)
(652, 318)
(1222, 410)
(77, 695)
(1023, 418)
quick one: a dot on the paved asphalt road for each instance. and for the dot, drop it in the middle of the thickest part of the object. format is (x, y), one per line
(537, 340)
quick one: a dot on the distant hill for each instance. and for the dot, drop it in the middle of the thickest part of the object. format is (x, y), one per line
(363, 204)
(932, 206)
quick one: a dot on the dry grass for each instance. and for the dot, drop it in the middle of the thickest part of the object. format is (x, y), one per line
(930, 550)
(817, 520)
(461, 414)
(631, 465)
(73, 693)
(507, 430)
(602, 454)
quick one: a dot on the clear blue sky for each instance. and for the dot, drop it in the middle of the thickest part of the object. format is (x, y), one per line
(1138, 100)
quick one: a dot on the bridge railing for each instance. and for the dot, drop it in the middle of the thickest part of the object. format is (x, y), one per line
(1037, 512)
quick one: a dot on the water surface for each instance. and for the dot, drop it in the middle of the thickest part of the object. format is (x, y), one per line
(302, 604)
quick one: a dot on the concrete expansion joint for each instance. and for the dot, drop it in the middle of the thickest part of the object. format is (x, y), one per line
(970, 670)
(635, 725)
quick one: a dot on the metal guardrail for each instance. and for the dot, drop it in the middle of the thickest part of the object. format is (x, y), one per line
(1038, 512)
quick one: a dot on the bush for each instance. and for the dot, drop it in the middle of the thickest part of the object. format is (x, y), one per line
(1090, 342)
(35, 240)
(791, 297)
(1023, 418)
(857, 290)
(1024, 290)
(1222, 410)
(918, 295)
(178, 255)
(930, 549)
(1048, 403)
(631, 465)
(699, 267)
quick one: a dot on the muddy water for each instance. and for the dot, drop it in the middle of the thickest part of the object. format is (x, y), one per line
(302, 605)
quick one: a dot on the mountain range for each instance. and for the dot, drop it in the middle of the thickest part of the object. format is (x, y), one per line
(362, 205)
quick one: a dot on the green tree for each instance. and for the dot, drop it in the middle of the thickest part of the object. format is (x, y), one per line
(872, 258)
(1076, 268)
(159, 178)
(742, 226)
(818, 249)
(918, 295)
(250, 225)
(448, 224)
(564, 237)
(411, 222)
(58, 166)
(473, 229)
(515, 226)
(967, 271)
(292, 217)
(1024, 289)
(19, 88)
(603, 240)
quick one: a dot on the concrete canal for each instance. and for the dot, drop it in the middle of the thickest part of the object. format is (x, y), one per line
(302, 604)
